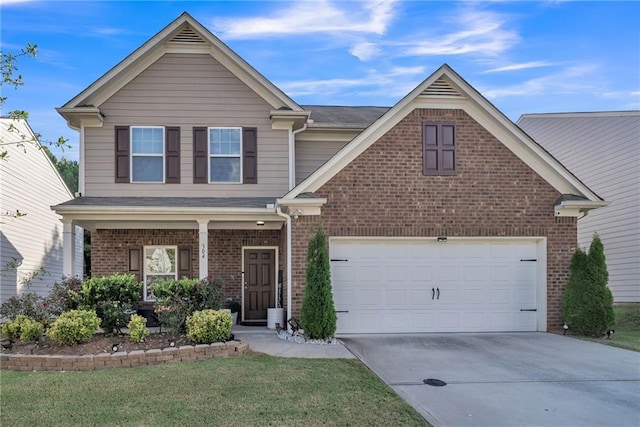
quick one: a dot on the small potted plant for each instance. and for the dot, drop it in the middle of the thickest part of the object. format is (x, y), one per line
(234, 306)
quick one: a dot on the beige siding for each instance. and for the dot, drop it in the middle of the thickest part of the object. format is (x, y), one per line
(186, 90)
(29, 183)
(315, 147)
(603, 150)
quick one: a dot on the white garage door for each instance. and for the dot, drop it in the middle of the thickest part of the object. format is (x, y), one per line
(391, 285)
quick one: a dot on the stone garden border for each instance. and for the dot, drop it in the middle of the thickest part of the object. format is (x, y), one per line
(25, 362)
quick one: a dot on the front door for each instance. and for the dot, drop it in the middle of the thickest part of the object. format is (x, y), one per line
(259, 275)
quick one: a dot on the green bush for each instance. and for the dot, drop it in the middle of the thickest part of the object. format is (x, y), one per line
(65, 295)
(208, 326)
(23, 327)
(74, 327)
(112, 298)
(138, 330)
(587, 305)
(318, 314)
(27, 304)
(177, 299)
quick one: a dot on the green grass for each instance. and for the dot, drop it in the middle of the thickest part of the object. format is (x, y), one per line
(627, 328)
(238, 391)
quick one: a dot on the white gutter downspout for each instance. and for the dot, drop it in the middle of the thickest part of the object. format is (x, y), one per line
(292, 155)
(288, 218)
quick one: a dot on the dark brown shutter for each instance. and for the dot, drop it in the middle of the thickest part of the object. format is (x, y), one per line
(172, 155)
(430, 149)
(122, 154)
(448, 149)
(200, 156)
(184, 262)
(249, 155)
(438, 149)
(135, 263)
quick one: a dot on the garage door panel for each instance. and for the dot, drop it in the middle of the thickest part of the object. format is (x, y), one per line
(386, 285)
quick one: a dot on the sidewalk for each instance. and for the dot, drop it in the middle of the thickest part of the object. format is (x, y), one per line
(263, 340)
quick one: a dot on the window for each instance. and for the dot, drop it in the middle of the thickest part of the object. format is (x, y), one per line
(159, 264)
(225, 155)
(225, 148)
(438, 148)
(147, 154)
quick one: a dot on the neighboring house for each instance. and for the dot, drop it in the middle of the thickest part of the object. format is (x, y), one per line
(31, 250)
(603, 150)
(442, 215)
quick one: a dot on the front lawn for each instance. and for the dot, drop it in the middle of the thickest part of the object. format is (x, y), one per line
(627, 328)
(238, 391)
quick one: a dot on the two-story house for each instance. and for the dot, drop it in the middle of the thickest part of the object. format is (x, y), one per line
(442, 215)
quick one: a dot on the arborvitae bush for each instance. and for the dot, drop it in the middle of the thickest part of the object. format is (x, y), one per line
(318, 314)
(587, 306)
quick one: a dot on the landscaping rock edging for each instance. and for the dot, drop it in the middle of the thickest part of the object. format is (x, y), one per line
(186, 353)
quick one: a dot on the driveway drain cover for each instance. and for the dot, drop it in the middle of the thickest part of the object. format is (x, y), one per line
(434, 382)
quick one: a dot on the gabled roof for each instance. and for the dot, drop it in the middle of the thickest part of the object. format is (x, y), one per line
(183, 35)
(446, 89)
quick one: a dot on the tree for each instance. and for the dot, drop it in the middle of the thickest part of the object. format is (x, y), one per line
(8, 67)
(68, 170)
(318, 314)
(587, 306)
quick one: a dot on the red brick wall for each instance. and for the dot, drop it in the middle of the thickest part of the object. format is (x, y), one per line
(384, 193)
(110, 248)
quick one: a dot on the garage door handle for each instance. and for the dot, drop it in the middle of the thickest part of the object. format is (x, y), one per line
(338, 259)
(433, 293)
(342, 311)
(528, 309)
(438, 293)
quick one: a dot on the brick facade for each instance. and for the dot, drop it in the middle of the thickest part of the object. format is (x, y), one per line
(109, 250)
(383, 192)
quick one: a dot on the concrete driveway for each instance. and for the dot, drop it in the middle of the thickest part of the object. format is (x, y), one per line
(507, 379)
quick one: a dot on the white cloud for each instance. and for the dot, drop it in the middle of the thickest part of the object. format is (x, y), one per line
(479, 32)
(365, 51)
(396, 77)
(306, 17)
(8, 2)
(571, 80)
(520, 66)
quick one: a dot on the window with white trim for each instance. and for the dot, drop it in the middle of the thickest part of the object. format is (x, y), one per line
(159, 264)
(147, 154)
(225, 155)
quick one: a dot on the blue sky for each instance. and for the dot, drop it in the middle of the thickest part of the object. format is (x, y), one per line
(525, 57)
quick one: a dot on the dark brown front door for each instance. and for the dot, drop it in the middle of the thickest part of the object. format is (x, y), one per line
(259, 272)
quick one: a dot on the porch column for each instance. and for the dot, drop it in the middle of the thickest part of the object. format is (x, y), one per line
(68, 248)
(203, 248)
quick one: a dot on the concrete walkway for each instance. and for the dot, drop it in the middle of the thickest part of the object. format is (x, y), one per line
(263, 340)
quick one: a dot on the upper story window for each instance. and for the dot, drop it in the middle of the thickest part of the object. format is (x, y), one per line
(438, 148)
(225, 155)
(147, 154)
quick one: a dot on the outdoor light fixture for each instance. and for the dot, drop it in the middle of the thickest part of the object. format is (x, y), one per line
(296, 213)
(566, 328)
(442, 239)
(259, 222)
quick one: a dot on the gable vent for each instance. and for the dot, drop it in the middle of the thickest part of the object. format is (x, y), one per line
(441, 88)
(187, 35)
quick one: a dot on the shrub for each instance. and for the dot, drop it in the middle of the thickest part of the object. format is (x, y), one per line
(74, 327)
(26, 328)
(587, 305)
(65, 296)
(138, 330)
(208, 326)
(111, 297)
(318, 315)
(27, 304)
(177, 299)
